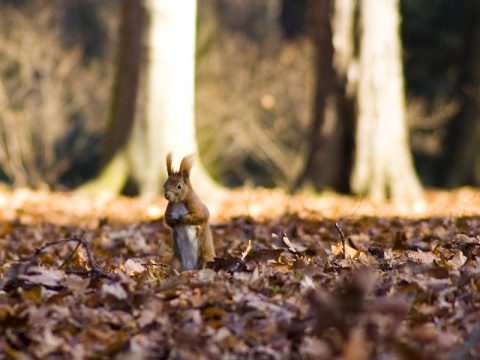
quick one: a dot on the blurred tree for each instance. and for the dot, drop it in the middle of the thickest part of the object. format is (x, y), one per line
(461, 164)
(328, 160)
(383, 164)
(148, 121)
(369, 70)
(123, 101)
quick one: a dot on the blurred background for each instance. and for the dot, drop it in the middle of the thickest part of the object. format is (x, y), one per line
(256, 86)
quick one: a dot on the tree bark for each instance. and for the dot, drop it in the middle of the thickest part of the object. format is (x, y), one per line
(168, 121)
(125, 88)
(383, 165)
(328, 159)
(115, 168)
(159, 117)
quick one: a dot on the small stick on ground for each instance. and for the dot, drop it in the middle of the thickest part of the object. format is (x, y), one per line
(96, 270)
(70, 256)
(158, 251)
(342, 236)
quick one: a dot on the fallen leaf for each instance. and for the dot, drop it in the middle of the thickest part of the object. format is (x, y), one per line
(133, 267)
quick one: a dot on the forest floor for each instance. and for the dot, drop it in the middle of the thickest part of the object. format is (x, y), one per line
(302, 277)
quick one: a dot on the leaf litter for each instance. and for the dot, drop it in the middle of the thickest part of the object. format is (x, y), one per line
(307, 283)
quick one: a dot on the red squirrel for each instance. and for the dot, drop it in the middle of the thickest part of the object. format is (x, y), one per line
(188, 217)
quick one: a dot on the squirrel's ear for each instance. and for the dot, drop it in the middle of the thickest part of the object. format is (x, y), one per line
(169, 164)
(186, 166)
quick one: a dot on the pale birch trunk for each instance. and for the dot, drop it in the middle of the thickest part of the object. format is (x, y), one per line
(167, 123)
(383, 164)
(343, 27)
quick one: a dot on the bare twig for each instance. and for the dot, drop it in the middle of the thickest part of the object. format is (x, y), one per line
(342, 236)
(158, 251)
(247, 250)
(70, 256)
(96, 270)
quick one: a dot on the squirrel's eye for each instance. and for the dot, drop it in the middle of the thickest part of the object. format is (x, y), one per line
(179, 186)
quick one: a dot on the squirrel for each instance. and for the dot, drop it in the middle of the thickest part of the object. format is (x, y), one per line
(188, 217)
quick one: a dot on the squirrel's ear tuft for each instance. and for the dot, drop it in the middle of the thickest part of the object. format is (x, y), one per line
(169, 164)
(186, 166)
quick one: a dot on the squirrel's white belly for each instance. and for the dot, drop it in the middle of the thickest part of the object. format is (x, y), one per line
(187, 242)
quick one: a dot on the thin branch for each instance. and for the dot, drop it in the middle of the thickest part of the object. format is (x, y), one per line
(247, 250)
(342, 236)
(158, 251)
(70, 256)
(96, 270)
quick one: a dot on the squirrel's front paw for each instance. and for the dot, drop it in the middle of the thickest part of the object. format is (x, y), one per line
(171, 221)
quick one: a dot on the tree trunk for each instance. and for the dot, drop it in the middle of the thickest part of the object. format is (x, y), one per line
(168, 121)
(328, 158)
(164, 118)
(115, 171)
(125, 88)
(383, 164)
